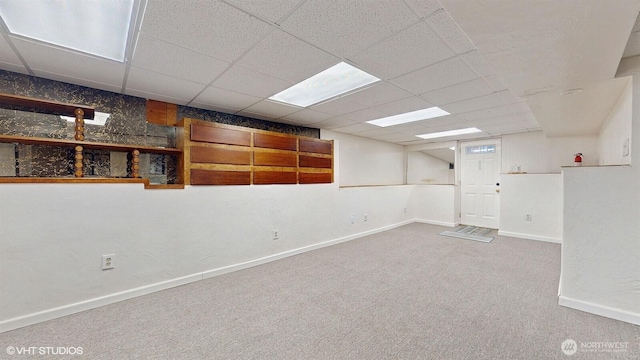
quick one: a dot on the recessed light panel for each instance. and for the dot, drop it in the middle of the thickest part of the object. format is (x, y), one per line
(450, 133)
(98, 27)
(418, 115)
(336, 80)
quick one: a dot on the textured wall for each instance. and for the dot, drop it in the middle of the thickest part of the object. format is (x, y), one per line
(126, 125)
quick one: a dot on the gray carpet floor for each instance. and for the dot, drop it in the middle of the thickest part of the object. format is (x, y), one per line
(407, 293)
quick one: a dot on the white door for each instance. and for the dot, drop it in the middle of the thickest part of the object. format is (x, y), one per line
(479, 183)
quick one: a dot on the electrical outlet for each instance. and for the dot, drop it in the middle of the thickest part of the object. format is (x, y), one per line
(108, 261)
(365, 217)
(405, 210)
(528, 217)
(353, 219)
(275, 234)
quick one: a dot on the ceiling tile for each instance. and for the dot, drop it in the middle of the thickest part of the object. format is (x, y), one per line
(335, 122)
(375, 132)
(286, 57)
(424, 7)
(443, 25)
(443, 121)
(505, 128)
(403, 106)
(13, 67)
(495, 83)
(507, 97)
(498, 120)
(256, 116)
(356, 128)
(411, 128)
(154, 96)
(339, 106)
(213, 107)
(76, 81)
(213, 96)
(72, 64)
(7, 55)
(250, 82)
(347, 27)
(458, 92)
(154, 83)
(443, 74)
(478, 63)
(486, 113)
(159, 56)
(210, 27)
(365, 115)
(409, 50)
(395, 138)
(271, 108)
(478, 103)
(270, 10)
(633, 45)
(380, 93)
(307, 116)
(519, 107)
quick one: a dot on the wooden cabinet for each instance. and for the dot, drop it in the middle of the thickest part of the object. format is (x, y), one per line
(219, 154)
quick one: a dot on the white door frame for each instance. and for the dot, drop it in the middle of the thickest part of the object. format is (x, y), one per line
(492, 217)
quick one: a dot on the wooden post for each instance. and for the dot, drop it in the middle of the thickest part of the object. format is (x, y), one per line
(79, 124)
(79, 171)
(135, 164)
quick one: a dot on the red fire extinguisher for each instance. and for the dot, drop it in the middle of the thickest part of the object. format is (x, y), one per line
(578, 159)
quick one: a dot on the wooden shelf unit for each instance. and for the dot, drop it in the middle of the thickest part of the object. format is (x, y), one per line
(219, 154)
(80, 112)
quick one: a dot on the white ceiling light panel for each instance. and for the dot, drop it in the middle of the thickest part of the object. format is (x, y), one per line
(336, 80)
(449, 133)
(98, 27)
(412, 116)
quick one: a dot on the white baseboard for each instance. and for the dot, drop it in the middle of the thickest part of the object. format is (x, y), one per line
(436, 222)
(530, 236)
(65, 310)
(49, 314)
(235, 267)
(613, 313)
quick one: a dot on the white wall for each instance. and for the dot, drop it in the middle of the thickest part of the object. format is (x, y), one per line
(366, 161)
(426, 169)
(537, 194)
(53, 236)
(535, 153)
(615, 133)
(435, 204)
(601, 234)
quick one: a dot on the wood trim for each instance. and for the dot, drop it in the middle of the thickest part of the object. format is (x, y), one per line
(22, 103)
(275, 142)
(315, 178)
(316, 146)
(315, 162)
(274, 159)
(274, 177)
(200, 154)
(219, 135)
(86, 144)
(220, 177)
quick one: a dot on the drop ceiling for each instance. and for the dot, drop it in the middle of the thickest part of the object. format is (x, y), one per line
(488, 63)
